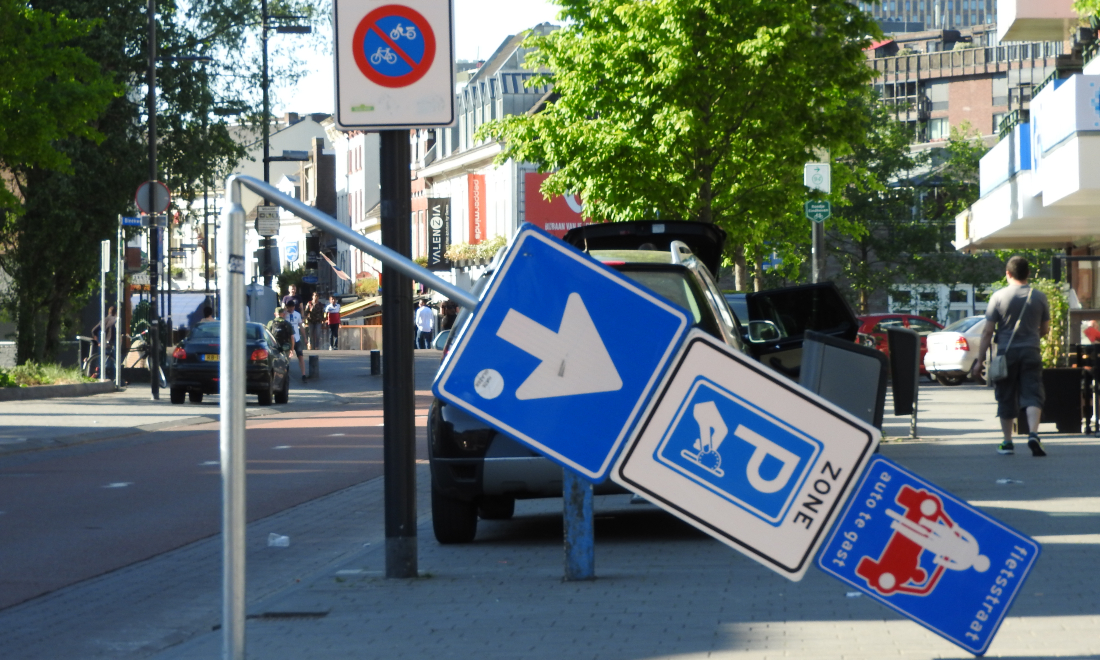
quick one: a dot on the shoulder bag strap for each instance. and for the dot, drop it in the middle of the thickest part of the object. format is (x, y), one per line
(1020, 317)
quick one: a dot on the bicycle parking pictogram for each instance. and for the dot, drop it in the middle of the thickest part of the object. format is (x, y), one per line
(394, 46)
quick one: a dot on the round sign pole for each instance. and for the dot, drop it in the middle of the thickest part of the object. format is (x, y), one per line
(398, 391)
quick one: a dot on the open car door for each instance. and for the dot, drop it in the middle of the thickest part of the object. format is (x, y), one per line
(794, 310)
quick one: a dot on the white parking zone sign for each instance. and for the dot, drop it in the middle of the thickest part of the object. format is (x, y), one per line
(746, 455)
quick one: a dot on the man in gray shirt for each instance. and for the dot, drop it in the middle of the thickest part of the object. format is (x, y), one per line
(1023, 387)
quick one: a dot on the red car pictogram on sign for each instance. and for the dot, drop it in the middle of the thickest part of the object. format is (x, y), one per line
(925, 527)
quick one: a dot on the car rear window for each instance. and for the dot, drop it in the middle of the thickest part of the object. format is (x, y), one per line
(213, 330)
(962, 325)
(678, 287)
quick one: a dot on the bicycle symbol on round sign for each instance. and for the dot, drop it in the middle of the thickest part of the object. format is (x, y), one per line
(394, 46)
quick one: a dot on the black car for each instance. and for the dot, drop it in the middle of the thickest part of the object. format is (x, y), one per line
(480, 472)
(193, 369)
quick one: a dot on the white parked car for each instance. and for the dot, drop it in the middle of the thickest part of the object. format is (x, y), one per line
(952, 351)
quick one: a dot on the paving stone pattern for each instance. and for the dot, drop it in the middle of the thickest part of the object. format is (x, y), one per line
(663, 589)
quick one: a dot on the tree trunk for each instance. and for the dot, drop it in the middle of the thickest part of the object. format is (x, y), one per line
(740, 269)
(53, 330)
(26, 315)
(758, 276)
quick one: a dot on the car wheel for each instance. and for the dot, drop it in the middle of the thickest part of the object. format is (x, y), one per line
(496, 508)
(177, 394)
(283, 395)
(950, 380)
(194, 396)
(265, 396)
(453, 520)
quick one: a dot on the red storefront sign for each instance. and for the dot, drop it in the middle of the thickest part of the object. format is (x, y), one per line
(477, 207)
(556, 216)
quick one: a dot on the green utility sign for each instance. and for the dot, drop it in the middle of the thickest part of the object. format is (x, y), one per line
(818, 211)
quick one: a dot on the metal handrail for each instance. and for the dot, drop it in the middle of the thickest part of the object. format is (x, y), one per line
(324, 221)
(231, 264)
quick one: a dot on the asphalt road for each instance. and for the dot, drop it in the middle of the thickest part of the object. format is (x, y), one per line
(74, 513)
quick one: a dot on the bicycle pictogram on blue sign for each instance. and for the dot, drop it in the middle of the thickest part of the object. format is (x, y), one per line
(394, 46)
(737, 451)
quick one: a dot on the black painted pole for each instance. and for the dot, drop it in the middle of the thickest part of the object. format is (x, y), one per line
(398, 390)
(154, 230)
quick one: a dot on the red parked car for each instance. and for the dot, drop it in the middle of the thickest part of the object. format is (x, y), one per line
(872, 331)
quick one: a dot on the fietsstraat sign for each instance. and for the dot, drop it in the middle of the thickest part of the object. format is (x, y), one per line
(394, 64)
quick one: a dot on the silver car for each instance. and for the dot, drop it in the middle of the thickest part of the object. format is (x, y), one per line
(952, 351)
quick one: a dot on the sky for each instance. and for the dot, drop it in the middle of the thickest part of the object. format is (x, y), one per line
(480, 26)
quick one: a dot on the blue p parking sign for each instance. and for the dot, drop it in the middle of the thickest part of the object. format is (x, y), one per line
(744, 454)
(731, 447)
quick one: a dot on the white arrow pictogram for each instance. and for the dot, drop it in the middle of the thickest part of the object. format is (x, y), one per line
(574, 359)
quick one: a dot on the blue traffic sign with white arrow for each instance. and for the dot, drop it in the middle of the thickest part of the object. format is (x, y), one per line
(554, 355)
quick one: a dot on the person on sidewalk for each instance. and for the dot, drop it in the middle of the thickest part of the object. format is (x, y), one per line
(315, 321)
(425, 323)
(292, 297)
(1020, 316)
(294, 318)
(281, 331)
(332, 311)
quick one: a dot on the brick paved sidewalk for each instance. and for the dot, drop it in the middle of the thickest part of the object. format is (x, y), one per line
(663, 589)
(666, 591)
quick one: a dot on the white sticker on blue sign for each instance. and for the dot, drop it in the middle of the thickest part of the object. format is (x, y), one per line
(928, 555)
(746, 455)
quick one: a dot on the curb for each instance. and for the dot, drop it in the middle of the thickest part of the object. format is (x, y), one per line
(55, 391)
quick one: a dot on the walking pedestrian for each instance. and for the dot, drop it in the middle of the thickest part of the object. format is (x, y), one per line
(425, 323)
(1020, 316)
(332, 311)
(315, 321)
(294, 318)
(449, 311)
(292, 297)
(282, 332)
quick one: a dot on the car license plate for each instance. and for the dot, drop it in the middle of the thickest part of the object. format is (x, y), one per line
(211, 357)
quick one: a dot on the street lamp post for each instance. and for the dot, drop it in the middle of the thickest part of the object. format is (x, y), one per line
(265, 83)
(154, 231)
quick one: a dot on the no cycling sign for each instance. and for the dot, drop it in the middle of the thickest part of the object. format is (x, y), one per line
(394, 64)
(394, 46)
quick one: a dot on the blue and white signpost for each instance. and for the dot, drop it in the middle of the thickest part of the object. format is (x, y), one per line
(928, 555)
(747, 456)
(563, 370)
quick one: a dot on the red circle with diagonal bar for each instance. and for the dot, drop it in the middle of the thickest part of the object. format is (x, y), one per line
(370, 26)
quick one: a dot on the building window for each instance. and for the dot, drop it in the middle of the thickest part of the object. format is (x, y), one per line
(998, 117)
(938, 129)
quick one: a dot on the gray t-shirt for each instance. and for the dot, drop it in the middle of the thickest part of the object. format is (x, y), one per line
(1004, 308)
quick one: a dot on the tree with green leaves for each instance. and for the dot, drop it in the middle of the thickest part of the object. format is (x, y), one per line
(695, 109)
(50, 248)
(949, 191)
(49, 90)
(903, 212)
(880, 208)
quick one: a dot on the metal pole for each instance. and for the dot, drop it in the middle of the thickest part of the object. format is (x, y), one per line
(232, 434)
(104, 266)
(818, 255)
(398, 398)
(580, 536)
(390, 258)
(154, 231)
(265, 267)
(120, 321)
